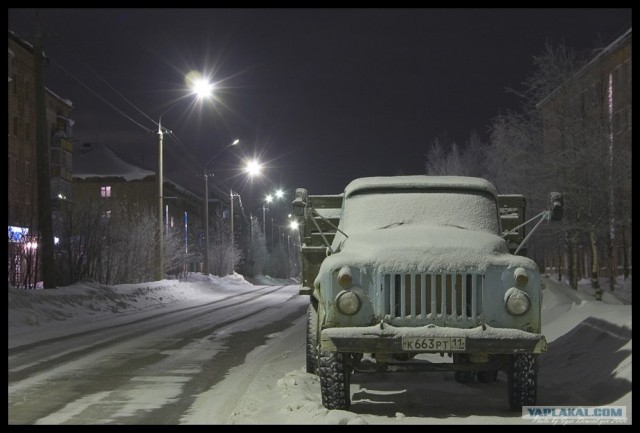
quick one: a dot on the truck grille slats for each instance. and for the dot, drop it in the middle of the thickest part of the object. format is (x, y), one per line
(432, 297)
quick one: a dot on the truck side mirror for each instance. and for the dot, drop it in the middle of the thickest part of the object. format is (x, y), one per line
(556, 202)
(300, 202)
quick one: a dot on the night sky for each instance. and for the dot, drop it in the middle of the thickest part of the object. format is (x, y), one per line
(321, 96)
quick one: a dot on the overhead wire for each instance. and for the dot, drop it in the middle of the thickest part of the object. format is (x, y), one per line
(95, 93)
(77, 57)
(185, 157)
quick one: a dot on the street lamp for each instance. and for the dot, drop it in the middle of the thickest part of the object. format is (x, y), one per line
(253, 168)
(202, 89)
(205, 267)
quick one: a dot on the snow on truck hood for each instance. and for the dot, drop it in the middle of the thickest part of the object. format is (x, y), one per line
(425, 248)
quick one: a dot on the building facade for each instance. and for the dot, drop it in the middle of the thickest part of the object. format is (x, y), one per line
(22, 192)
(600, 93)
(101, 175)
(591, 115)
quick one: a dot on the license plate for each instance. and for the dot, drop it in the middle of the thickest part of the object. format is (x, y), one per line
(444, 344)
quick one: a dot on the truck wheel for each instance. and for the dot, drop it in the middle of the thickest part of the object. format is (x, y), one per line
(522, 381)
(488, 376)
(312, 339)
(335, 377)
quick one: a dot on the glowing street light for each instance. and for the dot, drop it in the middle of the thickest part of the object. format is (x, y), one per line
(253, 167)
(201, 89)
(277, 195)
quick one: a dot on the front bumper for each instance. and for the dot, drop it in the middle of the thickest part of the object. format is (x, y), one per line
(386, 338)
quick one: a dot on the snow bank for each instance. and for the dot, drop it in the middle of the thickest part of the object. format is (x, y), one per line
(88, 300)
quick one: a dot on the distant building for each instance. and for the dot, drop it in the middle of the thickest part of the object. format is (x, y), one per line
(22, 192)
(101, 174)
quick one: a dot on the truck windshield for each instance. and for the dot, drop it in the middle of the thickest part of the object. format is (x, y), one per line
(380, 209)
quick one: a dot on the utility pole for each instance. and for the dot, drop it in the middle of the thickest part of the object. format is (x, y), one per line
(205, 265)
(159, 231)
(264, 218)
(232, 240)
(45, 225)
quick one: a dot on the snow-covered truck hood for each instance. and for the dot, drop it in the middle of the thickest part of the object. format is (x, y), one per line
(424, 248)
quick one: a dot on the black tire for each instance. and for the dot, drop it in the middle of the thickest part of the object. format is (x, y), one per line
(335, 378)
(465, 376)
(312, 339)
(522, 381)
(488, 376)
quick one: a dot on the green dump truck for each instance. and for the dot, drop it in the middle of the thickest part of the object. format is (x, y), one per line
(400, 268)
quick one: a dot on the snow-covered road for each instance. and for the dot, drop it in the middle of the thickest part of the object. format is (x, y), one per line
(221, 352)
(148, 369)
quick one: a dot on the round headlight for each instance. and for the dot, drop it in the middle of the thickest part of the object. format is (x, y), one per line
(345, 279)
(521, 277)
(348, 303)
(517, 302)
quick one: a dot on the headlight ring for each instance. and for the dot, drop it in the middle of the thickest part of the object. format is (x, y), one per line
(517, 302)
(348, 302)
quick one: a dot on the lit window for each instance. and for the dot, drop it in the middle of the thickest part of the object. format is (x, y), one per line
(105, 191)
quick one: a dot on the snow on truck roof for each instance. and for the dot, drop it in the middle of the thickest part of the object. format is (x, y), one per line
(419, 181)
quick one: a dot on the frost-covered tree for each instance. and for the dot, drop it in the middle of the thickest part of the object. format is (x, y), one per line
(561, 141)
(256, 252)
(113, 243)
(474, 156)
(445, 158)
(436, 157)
(277, 263)
(222, 259)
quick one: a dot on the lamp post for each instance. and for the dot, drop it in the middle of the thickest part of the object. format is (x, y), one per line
(253, 168)
(202, 89)
(231, 196)
(272, 244)
(159, 234)
(267, 199)
(205, 265)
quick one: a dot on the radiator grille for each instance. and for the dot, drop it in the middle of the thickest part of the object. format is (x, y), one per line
(432, 297)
